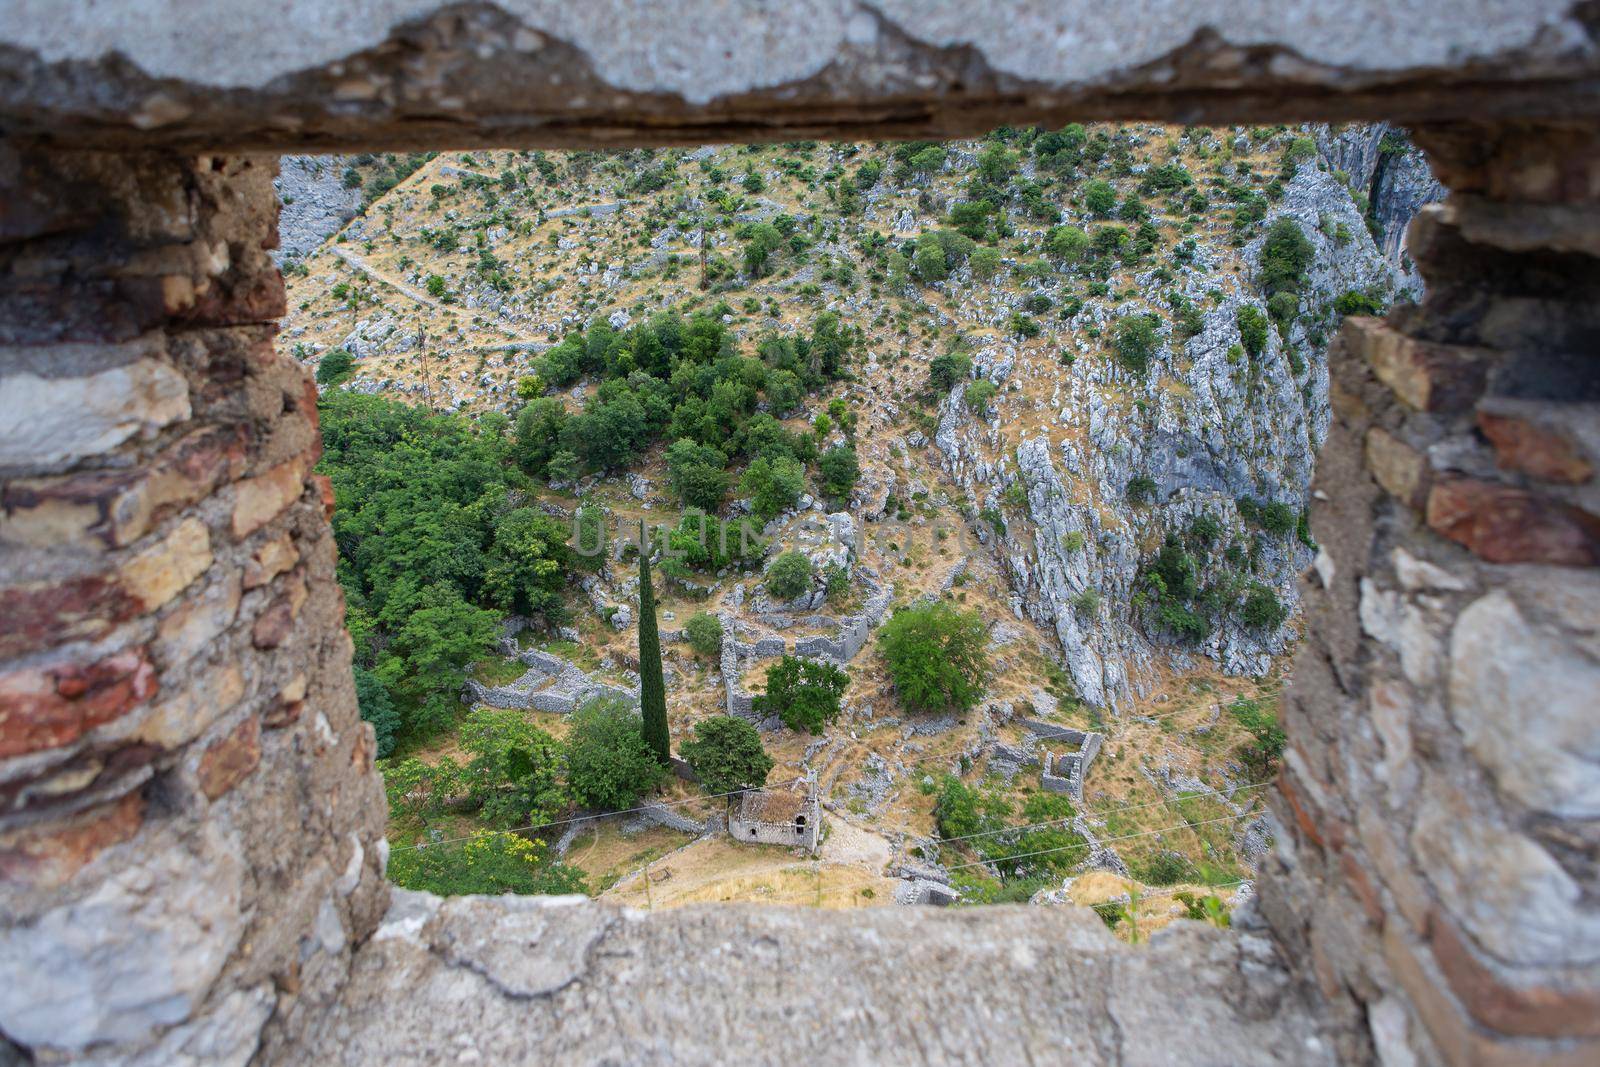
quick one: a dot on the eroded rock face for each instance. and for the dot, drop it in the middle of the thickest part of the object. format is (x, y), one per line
(1213, 425)
(1391, 175)
(315, 202)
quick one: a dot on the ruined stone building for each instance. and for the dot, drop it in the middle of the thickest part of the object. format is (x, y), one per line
(1065, 772)
(784, 816)
(191, 829)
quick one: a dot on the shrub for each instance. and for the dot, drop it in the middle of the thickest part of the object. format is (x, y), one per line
(1134, 339)
(1265, 747)
(789, 575)
(1141, 489)
(1100, 198)
(1164, 868)
(1286, 254)
(985, 263)
(1277, 518)
(1072, 541)
(946, 370)
(979, 394)
(1066, 243)
(704, 633)
(726, 754)
(804, 693)
(1262, 610)
(1025, 327)
(489, 863)
(773, 484)
(1355, 302)
(336, 365)
(840, 470)
(936, 656)
(1252, 329)
(609, 766)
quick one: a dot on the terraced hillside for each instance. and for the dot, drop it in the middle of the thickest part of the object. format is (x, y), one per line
(1070, 383)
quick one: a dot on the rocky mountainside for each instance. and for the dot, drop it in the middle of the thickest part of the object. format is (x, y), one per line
(1086, 395)
(1387, 177)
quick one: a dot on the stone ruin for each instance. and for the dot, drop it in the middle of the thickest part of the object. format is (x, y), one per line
(549, 684)
(191, 830)
(784, 816)
(1065, 772)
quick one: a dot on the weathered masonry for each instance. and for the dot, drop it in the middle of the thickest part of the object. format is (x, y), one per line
(191, 853)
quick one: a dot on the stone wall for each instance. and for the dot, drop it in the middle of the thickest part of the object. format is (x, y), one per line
(191, 835)
(1441, 790)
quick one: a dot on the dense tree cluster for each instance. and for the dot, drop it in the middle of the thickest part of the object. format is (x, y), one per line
(683, 381)
(430, 540)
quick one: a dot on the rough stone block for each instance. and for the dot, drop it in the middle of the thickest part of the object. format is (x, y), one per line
(1399, 468)
(264, 497)
(1525, 442)
(1525, 1010)
(116, 507)
(1425, 375)
(50, 706)
(52, 421)
(229, 761)
(1503, 524)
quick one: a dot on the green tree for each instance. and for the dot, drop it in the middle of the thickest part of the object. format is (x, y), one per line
(936, 656)
(335, 366)
(928, 264)
(514, 775)
(789, 575)
(538, 433)
(609, 765)
(652, 687)
(1252, 329)
(803, 693)
(378, 709)
(1066, 243)
(761, 240)
(726, 754)
(985, 263)
(528, 564)
(1135, 340)
(427, 655)
(697, 474)
(773, 484)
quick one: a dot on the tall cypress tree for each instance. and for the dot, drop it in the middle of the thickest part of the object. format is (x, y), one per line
(652, 687)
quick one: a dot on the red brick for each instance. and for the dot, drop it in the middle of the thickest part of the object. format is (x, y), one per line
(47, 707)
(231, 760)
(1541, 452)
(1504, 524)
(1525, 1011)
